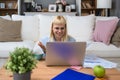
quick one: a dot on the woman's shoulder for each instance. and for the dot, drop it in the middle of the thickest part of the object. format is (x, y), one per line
(71, 39)
(44, 38)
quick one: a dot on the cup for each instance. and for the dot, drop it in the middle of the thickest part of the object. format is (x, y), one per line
(38, 56)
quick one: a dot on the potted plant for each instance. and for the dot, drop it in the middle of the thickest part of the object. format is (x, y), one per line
(21, 62)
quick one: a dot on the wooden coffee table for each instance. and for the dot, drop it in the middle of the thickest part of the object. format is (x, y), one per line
(42, 72)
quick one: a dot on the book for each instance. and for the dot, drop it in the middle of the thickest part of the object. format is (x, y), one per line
(16, 5)
(84, 6)
(88, 5)
(84, 13)
(70, 74)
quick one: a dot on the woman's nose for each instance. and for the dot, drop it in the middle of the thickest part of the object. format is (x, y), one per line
(59, 30)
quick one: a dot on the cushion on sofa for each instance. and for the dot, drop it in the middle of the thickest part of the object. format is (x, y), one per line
(6, 47)
(102, 50)
(6, 17)
(44, 25)
(105, 18)
(81, 27)
(116, 37)
(29, 27)
(104, 30)
(10, 30)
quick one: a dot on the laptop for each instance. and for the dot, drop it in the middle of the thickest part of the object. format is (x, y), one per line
(65, 53)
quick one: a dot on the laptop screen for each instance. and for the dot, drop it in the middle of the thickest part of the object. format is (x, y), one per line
(65, 53)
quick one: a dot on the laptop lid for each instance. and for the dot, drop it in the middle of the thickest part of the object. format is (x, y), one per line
(65, 53)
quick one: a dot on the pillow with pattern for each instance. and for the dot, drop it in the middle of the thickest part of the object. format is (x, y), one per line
(104, 30)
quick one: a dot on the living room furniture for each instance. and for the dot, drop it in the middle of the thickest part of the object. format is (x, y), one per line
(86, 7)
(43, 72)
(90, 6)
(9, 7)
(107, 4)
(38, 26)
(50, 13)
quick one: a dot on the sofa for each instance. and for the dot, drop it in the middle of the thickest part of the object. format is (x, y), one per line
(100, 41)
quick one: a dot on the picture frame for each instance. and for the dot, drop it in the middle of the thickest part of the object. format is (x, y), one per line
(10, 5)
(67, 9)
(2, 5)
(38, 7)
(52, 8)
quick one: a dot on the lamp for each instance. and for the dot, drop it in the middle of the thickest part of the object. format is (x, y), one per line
(104, 4)
(28, 5)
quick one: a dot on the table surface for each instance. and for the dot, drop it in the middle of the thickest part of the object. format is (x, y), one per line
(43, 72)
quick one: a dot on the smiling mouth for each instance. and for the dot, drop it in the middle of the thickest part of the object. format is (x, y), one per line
(59, 34)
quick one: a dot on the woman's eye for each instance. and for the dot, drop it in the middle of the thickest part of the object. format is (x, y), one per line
(62, 28)
(57, 28)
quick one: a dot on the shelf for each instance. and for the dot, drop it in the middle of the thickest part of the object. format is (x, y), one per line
(51, 13)
(7, 0)
(89, 7)
(8, 7)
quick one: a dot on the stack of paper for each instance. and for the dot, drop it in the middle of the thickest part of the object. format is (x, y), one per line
(92, 60)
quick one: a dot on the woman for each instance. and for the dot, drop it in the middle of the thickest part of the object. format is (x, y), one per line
(58, 33)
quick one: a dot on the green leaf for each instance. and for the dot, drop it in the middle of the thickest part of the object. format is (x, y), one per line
(21, 60)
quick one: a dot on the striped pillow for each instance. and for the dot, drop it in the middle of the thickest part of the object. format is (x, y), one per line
(104, 30)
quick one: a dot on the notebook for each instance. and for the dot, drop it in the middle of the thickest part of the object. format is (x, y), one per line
(70, 74)
(65, 53)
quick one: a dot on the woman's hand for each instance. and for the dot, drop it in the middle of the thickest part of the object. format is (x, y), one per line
(42, 46)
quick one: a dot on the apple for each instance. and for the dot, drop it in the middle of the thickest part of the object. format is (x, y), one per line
(99, 71)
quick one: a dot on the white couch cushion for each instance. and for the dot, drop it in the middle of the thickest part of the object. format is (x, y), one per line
(6, 47)
(102, 50)
(81, 27)
(29, 26)
(44, 25)
(6, 17)
(105, 18)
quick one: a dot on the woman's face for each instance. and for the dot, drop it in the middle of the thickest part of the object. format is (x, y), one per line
(58, 31)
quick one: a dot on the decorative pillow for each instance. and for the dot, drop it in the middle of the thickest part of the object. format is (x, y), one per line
(105, 18)
(81, 27)
(29, 26)
(10, 30)
(104, 30)
(116, 37)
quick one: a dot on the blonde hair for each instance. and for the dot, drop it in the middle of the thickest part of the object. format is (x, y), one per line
(58, 20)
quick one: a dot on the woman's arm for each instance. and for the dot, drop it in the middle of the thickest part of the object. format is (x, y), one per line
(42, 46)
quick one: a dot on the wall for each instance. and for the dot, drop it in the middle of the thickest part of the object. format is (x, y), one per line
(115, 11)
